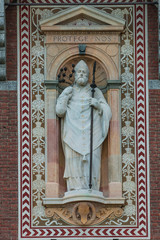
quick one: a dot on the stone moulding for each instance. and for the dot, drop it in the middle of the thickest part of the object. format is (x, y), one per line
(106, 21)
(83, 197)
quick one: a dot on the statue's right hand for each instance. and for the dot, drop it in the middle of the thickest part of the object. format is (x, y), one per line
(68, 91)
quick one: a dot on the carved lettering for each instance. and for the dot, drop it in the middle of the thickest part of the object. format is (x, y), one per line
(91, 38)
(103, 39)
(70, 38)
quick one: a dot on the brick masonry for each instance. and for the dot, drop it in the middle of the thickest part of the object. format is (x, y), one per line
(11, 46)
(8, 166)
(154, 112)
(9, 143)
(154, 122)
(152, 42)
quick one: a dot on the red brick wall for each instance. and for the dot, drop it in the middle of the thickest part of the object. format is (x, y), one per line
(154, 121)
(11, 45)
(154, 110)
(8, 166)
(8, 136)
(152, 42)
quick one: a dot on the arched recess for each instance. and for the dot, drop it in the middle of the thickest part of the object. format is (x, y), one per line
(112, 71)
(111, 160)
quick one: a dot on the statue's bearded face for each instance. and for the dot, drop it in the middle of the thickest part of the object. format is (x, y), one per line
(81, 76)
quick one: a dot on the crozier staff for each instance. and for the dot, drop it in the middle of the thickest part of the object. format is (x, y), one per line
(73, 107)
(93, 86)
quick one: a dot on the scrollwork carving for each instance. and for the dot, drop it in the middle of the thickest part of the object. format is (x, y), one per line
(84, 213)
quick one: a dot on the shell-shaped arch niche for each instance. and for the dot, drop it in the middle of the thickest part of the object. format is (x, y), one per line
(71, 55)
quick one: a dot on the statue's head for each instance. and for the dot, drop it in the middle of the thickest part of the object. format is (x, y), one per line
(81, 73)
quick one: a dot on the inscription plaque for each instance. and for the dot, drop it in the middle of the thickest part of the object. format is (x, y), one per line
(82, 38)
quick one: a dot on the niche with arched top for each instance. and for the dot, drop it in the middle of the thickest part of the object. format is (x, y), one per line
(62, 49)
(101, 76)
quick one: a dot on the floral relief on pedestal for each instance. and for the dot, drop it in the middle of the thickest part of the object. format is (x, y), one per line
(84, 213)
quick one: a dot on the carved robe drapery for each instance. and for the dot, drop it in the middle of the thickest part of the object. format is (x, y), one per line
(75, 130)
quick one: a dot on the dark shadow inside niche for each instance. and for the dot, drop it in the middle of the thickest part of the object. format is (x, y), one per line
(101, 77)
(101, 74)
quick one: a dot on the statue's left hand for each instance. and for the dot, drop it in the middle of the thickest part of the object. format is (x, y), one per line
(95, 103)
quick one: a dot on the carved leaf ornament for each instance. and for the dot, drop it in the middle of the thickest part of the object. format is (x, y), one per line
(84, 213)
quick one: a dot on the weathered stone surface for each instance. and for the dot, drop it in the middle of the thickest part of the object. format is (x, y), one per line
(154, 84)
(9, 85)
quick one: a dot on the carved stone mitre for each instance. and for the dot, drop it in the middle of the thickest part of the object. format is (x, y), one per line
(82, 64)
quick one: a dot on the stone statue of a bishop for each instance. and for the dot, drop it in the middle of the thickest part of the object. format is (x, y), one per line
(74, 108)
